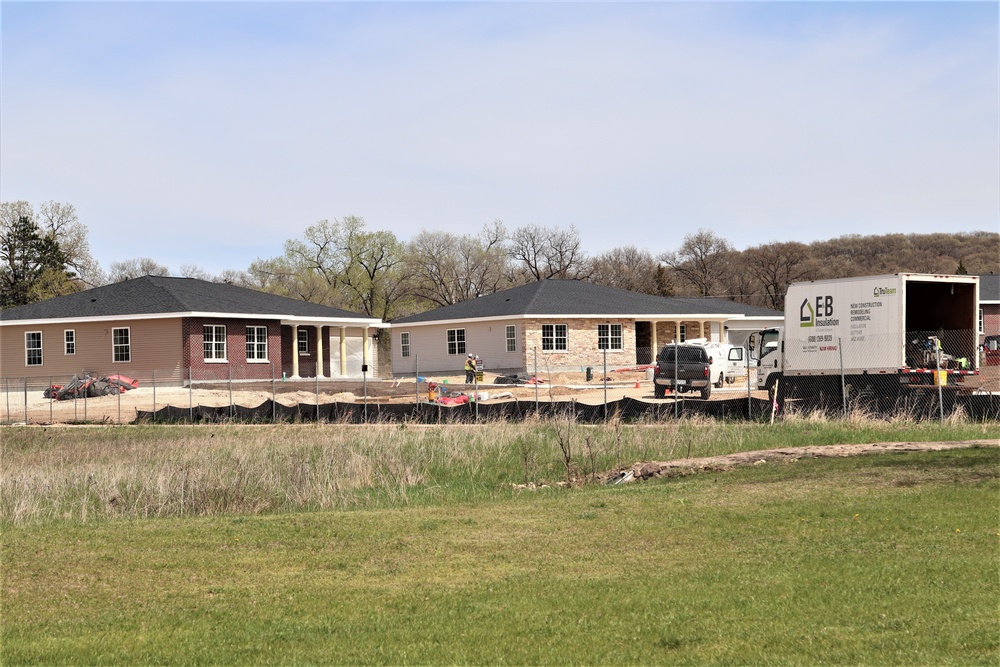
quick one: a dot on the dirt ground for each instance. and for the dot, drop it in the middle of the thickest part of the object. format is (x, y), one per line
(555, 387)
(682, 467)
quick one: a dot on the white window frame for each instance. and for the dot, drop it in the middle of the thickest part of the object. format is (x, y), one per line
(121, 352)
(682, 332)
(553, 338)
(456, 341)
(607, 337)
(303, 341)
(69, 342)
(213, 355)
(29, 358)
(256, 345)
(510, 335)
(404, 343)
(982, 321)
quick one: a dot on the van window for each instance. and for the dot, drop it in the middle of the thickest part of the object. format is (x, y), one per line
(736, 354)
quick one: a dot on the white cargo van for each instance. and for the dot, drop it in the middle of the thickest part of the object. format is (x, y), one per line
(728, 362)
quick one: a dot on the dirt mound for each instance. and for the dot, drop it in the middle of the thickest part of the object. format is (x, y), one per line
(683, 467)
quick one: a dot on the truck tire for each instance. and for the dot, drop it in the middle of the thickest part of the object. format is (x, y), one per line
(722, 378)
(706, 392)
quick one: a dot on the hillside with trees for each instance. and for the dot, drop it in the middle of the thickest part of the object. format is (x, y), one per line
(344, 264)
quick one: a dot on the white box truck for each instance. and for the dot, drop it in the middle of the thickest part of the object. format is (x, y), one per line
(880, 333)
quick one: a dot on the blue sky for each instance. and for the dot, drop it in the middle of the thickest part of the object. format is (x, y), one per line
(210, 133)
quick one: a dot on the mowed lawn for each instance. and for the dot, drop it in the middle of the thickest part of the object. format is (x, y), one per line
(877, 560)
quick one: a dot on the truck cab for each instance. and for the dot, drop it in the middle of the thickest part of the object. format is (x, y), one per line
(766, 349)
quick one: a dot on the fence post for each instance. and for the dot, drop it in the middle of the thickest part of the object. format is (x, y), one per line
(746, 356)
(843, 379)
(190, 396)
(119, 392)
(676, 364)
(154, 395)
(605, 381)
(274, 396)
(317, 395)
(26, 399)
(536, 381)
(416, 379)
(937, 376)
(51, 398)
(232, 410)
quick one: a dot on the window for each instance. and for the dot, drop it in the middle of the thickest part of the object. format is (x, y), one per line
(69, 337)
(511, 338)
(303, 341)
(982, 322)
(33, 348)
(214, 342)
(121, 348)
(683, 333)
(456, 341)
(404, 343)
(256, 343)
(554, 337)
(609, 336)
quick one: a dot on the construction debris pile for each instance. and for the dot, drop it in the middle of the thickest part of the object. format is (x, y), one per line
(89, 387)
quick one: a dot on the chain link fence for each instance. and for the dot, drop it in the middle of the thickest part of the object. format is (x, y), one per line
(937, 381)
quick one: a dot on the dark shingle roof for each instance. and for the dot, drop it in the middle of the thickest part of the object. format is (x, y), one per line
(154, 295)
(573, 297)
(989, 288)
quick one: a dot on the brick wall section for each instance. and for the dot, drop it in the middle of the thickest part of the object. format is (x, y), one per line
(236, 350)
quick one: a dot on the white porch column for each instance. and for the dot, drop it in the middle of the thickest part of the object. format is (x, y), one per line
(656, 348)
(319, 352)
(343, 351)
(367, 354)
(295, 351)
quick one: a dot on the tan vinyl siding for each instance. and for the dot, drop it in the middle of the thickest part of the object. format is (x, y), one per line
(155, 345)
(429, 347)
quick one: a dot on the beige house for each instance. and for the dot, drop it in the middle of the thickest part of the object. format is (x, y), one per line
(564, 325)
(178, 329)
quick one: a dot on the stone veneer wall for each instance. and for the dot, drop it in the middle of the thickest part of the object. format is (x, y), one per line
(582, 344)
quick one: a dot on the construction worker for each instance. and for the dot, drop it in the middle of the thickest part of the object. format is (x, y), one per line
(470, 369)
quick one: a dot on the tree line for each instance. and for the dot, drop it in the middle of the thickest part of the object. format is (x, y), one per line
(341, 263)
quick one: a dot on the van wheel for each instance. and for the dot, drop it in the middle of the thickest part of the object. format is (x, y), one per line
(722, 378)
(706, 392)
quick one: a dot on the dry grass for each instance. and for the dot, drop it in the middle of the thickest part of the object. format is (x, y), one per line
(94, 473)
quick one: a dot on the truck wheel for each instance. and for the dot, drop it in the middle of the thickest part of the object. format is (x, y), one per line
(722, 378)
(658, 391)
(706, 392)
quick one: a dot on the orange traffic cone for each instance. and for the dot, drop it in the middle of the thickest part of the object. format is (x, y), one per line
(636, 384)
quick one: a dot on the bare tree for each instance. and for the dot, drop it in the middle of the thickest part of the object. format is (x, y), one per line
(701, 261)
(627, 268)
(127, 269)
(195, 271)
(547, 252)
(774, 266)
(444, 268)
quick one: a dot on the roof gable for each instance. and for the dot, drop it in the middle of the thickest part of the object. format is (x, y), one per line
(160, 295)
(554, 297)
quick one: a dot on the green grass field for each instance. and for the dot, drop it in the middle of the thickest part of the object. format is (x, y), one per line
(421, 552)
